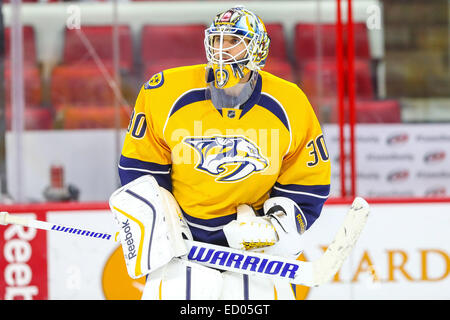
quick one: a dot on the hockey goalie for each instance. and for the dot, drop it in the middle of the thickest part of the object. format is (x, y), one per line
(220, 153)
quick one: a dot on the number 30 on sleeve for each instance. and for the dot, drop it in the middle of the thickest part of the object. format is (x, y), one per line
(137, 125)
(318, 151)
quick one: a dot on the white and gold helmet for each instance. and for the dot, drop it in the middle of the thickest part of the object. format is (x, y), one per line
(249, 30)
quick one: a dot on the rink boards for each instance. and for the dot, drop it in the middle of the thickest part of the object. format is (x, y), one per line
(403, 253)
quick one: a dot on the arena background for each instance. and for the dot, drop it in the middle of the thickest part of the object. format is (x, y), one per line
(72, 70)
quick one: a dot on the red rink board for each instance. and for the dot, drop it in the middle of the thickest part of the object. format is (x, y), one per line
(23, 262)
(23, 257)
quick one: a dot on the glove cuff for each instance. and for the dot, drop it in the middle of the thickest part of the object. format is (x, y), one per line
(289, 208)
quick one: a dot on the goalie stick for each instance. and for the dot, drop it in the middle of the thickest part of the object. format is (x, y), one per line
(311, 274)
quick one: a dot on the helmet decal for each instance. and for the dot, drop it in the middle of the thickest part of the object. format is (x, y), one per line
(226, 17)
(221, 76)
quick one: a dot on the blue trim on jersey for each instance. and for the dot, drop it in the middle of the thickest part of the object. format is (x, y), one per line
(131, 169)
(315, 190)
(188, 98)
(215, 236)
(310, 199)
(274, 107)
(210, 76)
(254, 98)
(213, 222)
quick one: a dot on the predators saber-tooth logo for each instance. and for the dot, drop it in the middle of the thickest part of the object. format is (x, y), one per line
(219, 151)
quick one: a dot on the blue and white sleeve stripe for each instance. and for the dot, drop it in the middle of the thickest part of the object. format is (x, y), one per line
(310, 199)
(131, 169)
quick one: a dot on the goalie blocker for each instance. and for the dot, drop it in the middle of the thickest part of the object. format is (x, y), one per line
(149, 237)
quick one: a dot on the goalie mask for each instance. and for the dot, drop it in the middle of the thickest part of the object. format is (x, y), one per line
(236, 44)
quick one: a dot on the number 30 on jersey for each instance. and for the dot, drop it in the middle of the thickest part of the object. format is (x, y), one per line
(317, 150)
(137, 125)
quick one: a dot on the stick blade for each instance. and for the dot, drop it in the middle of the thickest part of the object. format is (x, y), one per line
(360, 204)
(337, 252)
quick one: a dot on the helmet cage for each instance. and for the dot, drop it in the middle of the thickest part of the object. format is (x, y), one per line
(221, 56)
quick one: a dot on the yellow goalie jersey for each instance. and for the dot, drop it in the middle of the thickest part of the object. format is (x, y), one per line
(214, 159)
